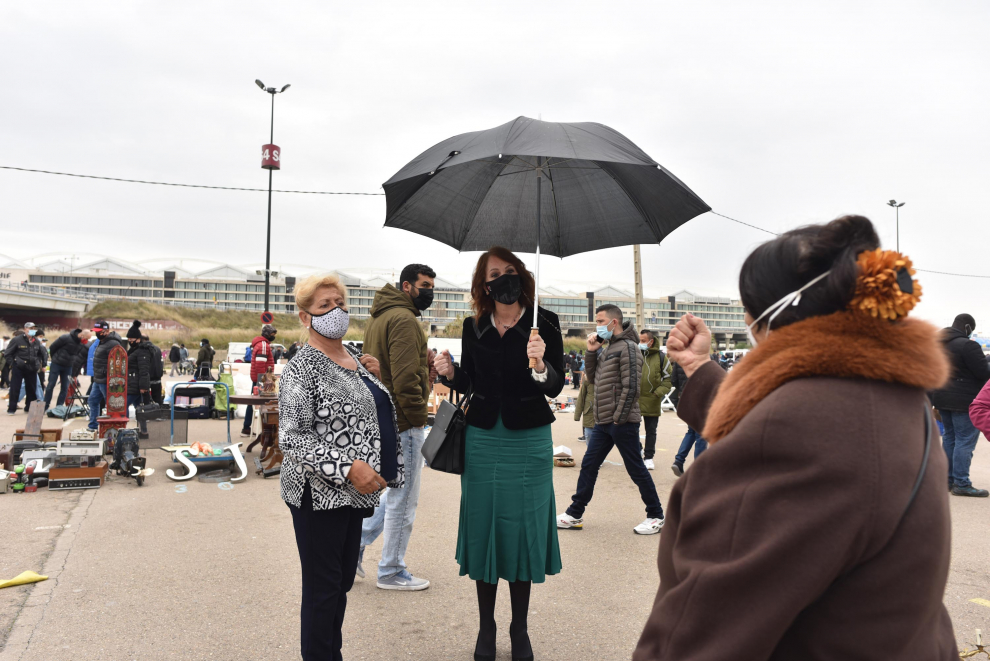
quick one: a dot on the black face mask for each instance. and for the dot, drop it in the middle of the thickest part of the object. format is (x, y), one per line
(506, 288)
(424, 299)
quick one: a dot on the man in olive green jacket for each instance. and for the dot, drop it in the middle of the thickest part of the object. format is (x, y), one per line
(584, 409)
(654, 387)
(394, 336)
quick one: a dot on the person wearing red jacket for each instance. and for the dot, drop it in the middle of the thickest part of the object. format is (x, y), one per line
(262, 359)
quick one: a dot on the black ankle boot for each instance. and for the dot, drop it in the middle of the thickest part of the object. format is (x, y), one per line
(522, 650)
(484, 649)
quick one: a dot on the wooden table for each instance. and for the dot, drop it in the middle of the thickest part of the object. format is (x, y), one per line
(268, 438)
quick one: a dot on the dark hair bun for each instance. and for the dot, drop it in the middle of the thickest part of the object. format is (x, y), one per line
(136, 324)
(792, 260)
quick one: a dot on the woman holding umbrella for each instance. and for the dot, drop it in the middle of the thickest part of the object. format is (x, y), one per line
(507, 529)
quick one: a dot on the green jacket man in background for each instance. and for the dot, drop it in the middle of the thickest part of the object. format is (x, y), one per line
(395, 337)
(584, 408)
(654, 387)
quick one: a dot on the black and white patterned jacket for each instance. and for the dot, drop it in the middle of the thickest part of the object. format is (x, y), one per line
(327, 420)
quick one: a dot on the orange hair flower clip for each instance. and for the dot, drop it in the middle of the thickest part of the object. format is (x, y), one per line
(885, 287)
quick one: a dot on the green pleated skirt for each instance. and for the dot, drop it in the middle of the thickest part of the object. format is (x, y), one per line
(508, 525)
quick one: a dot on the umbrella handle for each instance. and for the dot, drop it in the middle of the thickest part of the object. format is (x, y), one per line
(533, 332)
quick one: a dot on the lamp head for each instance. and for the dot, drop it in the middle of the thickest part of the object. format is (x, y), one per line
(259, 84)
(284, 88)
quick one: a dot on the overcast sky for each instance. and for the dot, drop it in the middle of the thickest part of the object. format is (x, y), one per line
(776, 113)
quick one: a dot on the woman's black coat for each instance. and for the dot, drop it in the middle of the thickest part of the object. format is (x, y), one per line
(497, 369)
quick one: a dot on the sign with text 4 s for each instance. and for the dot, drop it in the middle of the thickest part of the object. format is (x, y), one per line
(271, 157)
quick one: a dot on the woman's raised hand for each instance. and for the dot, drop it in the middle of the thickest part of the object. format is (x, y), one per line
(689, 344)
(444, 365)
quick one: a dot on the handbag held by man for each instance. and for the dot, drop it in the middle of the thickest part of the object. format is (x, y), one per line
(444, 447)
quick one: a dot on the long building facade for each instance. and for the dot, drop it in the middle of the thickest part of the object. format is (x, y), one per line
(229, 287)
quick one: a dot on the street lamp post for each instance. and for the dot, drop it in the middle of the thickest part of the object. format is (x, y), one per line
(897, 207)
(270, 160)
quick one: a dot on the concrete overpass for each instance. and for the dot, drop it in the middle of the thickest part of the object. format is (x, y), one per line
(20, 302)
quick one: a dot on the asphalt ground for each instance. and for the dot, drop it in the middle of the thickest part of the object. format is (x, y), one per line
(199, 570)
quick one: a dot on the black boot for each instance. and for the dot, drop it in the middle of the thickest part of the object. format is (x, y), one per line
(522, 650)
(484, 649)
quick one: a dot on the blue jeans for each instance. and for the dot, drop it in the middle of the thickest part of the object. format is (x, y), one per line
(690, 438)
(62, 373)
(97, 396)
(601, 440)
(587, 432)
(959, 441)
(397, 511)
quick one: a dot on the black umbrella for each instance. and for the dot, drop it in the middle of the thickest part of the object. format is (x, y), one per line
(481, 189)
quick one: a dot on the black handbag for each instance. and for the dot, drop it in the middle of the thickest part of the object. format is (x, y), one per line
(444, 447)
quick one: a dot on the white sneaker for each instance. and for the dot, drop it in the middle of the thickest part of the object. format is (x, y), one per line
(568, 522)
(649, 464)
(649, 527)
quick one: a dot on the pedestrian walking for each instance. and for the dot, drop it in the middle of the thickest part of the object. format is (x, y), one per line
(970, 373)
(174, 357)
(817, 525)
(394, 336)
(24, 354)
(584, 409)
(576, 366)
(691, 438)
(107, 340)
(616, 372)
(339, 438)
(506, 528)
(204, 361)
(262, 359)
(654, 387)
(68, 354)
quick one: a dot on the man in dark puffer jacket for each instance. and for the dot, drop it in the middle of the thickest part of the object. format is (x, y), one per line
(68, 353)
(616, 374)
(970, 372)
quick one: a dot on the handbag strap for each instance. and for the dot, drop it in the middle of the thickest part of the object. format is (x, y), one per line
(924, 463)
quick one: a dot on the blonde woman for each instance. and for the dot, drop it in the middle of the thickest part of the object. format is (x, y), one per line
(338, 433)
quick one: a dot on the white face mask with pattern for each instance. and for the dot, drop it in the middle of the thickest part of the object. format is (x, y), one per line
(792, 299)
(332, 324)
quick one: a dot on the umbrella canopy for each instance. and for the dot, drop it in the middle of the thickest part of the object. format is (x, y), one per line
(479, 189)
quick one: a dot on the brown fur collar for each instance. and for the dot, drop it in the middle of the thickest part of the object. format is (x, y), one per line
(844, 345)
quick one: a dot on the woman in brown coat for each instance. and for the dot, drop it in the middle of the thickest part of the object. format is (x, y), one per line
(817, 524)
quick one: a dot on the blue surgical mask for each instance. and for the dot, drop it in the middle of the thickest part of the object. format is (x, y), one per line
(643, 346)
(603, 332)
(32, 332)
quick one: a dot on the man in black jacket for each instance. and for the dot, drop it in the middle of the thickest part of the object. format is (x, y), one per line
(24, 355)
(68, 353)
(98, 394)
(157, 369)
(139, 369)
(970, 372)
